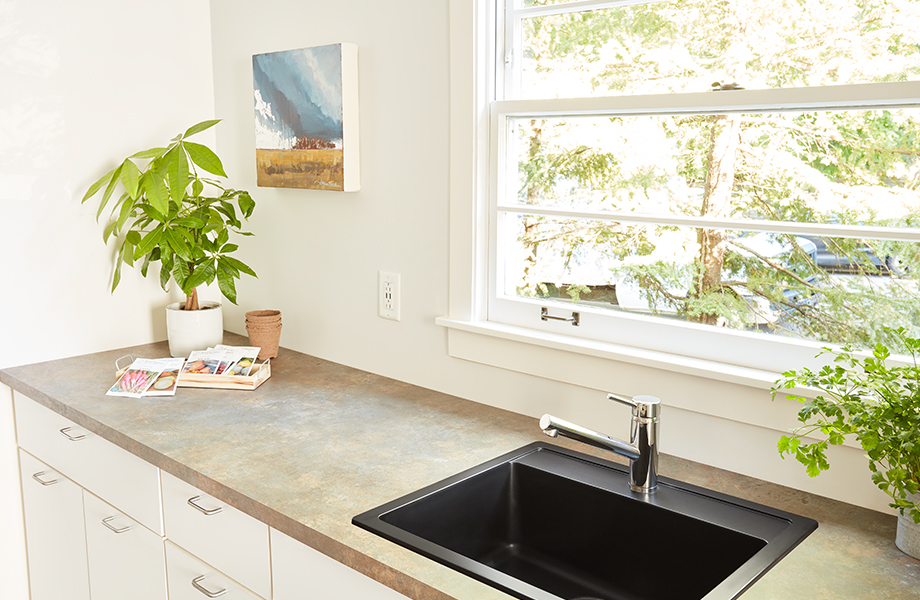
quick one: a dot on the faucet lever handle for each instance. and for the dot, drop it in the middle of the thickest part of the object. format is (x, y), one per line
(642, 406)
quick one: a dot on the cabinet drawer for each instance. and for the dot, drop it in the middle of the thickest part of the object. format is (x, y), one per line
(126, 560)
(124, 480)
(191, 579)
(300, 572)
(232, 541)
(56, 544)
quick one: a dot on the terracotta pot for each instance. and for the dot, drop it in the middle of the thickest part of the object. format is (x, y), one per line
(263, 316)
(264, 329)
(908, 536)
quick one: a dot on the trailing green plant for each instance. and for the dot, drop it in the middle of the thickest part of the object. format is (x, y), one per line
(162, 215)
(866, 397)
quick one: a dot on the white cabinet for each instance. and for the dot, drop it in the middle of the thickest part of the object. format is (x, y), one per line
(53, 507)
(222, 536)
(302, 573)
(124, 480)
(191, 579)
(103, 524)
(126, 560)
(111, 553)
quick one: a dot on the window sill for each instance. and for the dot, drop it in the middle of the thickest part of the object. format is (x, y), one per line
(539, 353)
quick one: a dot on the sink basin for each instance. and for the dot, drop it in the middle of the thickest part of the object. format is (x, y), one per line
(548, 523)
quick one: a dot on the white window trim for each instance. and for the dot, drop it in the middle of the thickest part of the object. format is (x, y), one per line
(548, 353)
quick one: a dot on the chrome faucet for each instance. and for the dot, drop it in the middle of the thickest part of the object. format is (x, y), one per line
(642, 449)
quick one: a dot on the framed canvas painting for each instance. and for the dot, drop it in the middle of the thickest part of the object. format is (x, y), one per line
(306, 114)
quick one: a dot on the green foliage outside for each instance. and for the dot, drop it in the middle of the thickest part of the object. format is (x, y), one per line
(848, 167)
(163, 215)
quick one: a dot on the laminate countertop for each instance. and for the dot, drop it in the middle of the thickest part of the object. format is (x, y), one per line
(319, 443)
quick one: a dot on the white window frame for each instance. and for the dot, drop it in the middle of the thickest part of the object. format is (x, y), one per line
(508, 332)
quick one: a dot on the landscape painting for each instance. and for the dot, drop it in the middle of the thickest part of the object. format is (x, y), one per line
(306, 118)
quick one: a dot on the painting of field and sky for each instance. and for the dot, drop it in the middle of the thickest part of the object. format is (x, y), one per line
(306, 118)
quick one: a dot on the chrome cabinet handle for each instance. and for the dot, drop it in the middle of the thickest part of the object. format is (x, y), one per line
(38, 477)
(196, 583)
(107, 522)
(207, 511)
(72, 438)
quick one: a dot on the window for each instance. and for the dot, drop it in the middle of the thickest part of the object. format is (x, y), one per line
(735, 181)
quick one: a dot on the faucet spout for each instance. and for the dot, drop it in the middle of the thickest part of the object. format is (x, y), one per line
(641, 450)
(554, 427)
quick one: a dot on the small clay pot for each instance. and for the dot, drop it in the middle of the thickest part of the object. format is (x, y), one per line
(264, 329)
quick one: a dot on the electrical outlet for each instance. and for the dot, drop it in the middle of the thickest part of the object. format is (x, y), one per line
(388, 295)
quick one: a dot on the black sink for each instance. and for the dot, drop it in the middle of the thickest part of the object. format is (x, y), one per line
(546, 523)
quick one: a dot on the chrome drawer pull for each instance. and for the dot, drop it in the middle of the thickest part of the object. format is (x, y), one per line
(38, 477)
(207, 511)
(72, 438)
(107, 522)
(206, 591)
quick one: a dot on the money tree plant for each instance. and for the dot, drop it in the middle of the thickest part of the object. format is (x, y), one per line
(161, 213)
(871, 398)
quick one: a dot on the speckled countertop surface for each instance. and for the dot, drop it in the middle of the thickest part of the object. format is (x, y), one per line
(320, 442)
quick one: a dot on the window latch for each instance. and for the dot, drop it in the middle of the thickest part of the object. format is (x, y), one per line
(545, 316)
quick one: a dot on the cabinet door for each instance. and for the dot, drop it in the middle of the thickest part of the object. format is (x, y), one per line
(126, 560)
(96, 464)
(302, 573)
(191, 579)
(55, 539)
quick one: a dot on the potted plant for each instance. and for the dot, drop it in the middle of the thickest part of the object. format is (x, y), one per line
(878, 403)
(162, 214)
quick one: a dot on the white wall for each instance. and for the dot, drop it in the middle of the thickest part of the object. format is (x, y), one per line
(318, 252)
(82, 84)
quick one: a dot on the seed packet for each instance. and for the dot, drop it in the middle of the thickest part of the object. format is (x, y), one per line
(240, 359)
(136, 379)
(165, 382)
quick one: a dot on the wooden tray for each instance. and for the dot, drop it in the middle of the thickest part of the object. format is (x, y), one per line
(227, 382)
(224, 382)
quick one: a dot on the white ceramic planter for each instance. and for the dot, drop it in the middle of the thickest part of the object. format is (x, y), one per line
(908, 537)
(189, 330)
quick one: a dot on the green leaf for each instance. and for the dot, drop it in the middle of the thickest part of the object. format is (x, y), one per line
(157, 193)
(205, 158)
(202, 275)
(177, 244)
(151, 153)
(116, 175)
(150, 240)
(127, 209)
(178, 175)
(180, 273)
(227, 285)
(130, 178)
(239, 266)
(109, 230)
(152, 213)
(166, 266)
(247, 204)
(97, 186)
(200, 127)
(191, 222)
(197, 188)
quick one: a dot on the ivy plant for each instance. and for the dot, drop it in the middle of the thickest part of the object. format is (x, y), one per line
(870, 398)
(163, 215)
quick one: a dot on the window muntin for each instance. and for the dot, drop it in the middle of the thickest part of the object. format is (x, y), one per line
(806, 167)
(877, 251)
(687, 45)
